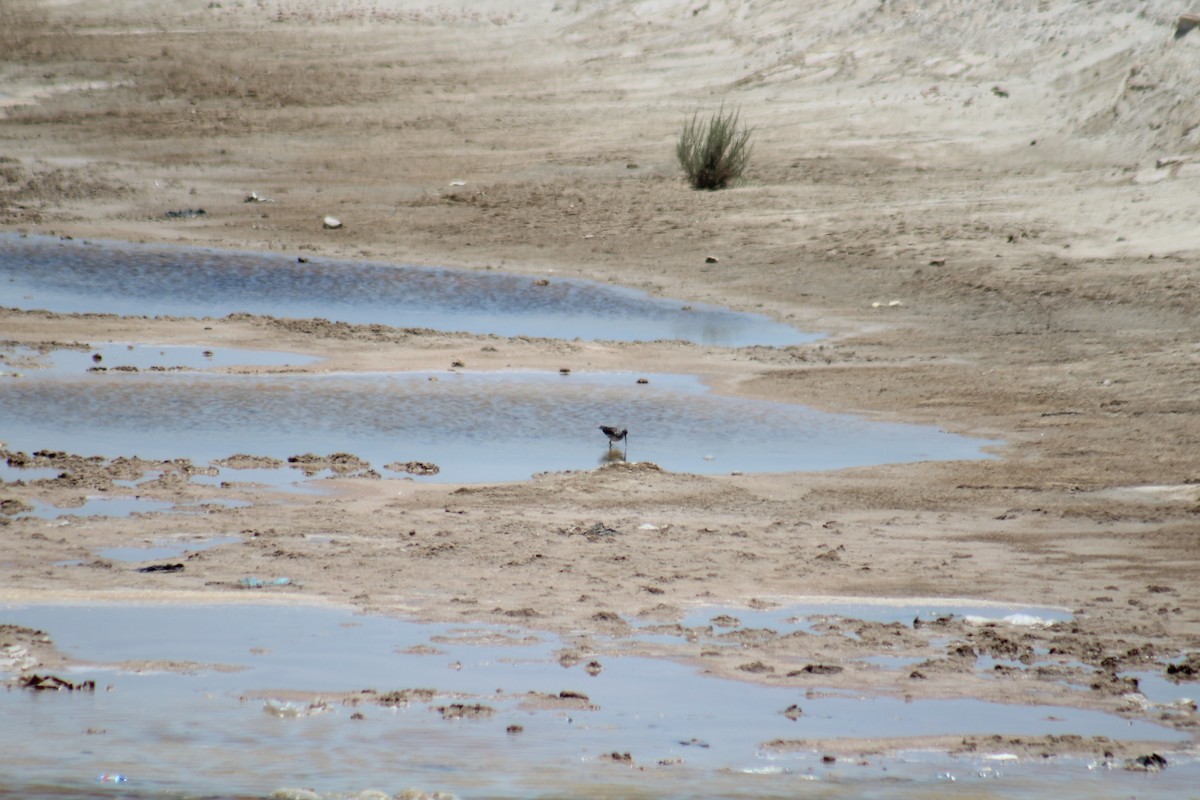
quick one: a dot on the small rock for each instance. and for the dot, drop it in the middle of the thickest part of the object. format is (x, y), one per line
(332, 223)
(1185, 23)
(711, 260)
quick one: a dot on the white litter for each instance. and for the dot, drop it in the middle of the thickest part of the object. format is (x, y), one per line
(1023, 620)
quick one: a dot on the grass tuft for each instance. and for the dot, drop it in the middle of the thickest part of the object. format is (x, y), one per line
(714, 152)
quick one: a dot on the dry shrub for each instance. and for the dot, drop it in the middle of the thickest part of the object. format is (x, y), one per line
(714, 152)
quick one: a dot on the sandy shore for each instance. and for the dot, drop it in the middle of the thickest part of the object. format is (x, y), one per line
(1023, 188)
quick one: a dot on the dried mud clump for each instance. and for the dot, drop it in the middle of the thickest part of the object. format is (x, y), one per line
(596, 532)
(320, 328)
(463, 711)
(10, 507)
(817, 669)
(1188, 670)
(567, 699)
(414, 467)
(53, 683)
(631, 466)
(341, 464)
(244, 461)
(405, 697)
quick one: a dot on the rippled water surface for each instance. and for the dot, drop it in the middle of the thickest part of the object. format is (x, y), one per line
(77, 276)
(476, 427)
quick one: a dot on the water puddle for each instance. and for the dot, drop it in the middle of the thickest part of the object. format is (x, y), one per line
(276, 478)
(93, 506)
(96, 506)
(727, 627)
(890, 663)
(163, 549)
(77, 276)
(805, 616)
(1159, 689)
(476, 427)
(155, 358)
(11, 474)
(264, 696)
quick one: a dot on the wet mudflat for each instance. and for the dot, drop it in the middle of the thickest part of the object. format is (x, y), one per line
(275, 696)
(1045, 293)
(104, 277)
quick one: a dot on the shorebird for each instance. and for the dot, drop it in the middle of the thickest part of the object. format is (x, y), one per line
(614, 434)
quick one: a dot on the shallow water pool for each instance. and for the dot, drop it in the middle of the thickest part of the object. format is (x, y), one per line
(801, 617)
(475, 427)
(69, 276)
(93, 506)
(163, 549)
(232, 723)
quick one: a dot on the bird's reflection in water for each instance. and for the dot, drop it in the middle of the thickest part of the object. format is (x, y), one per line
(611, 456)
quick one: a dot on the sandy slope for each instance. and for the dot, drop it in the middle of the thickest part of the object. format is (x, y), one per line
(1019, 176)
